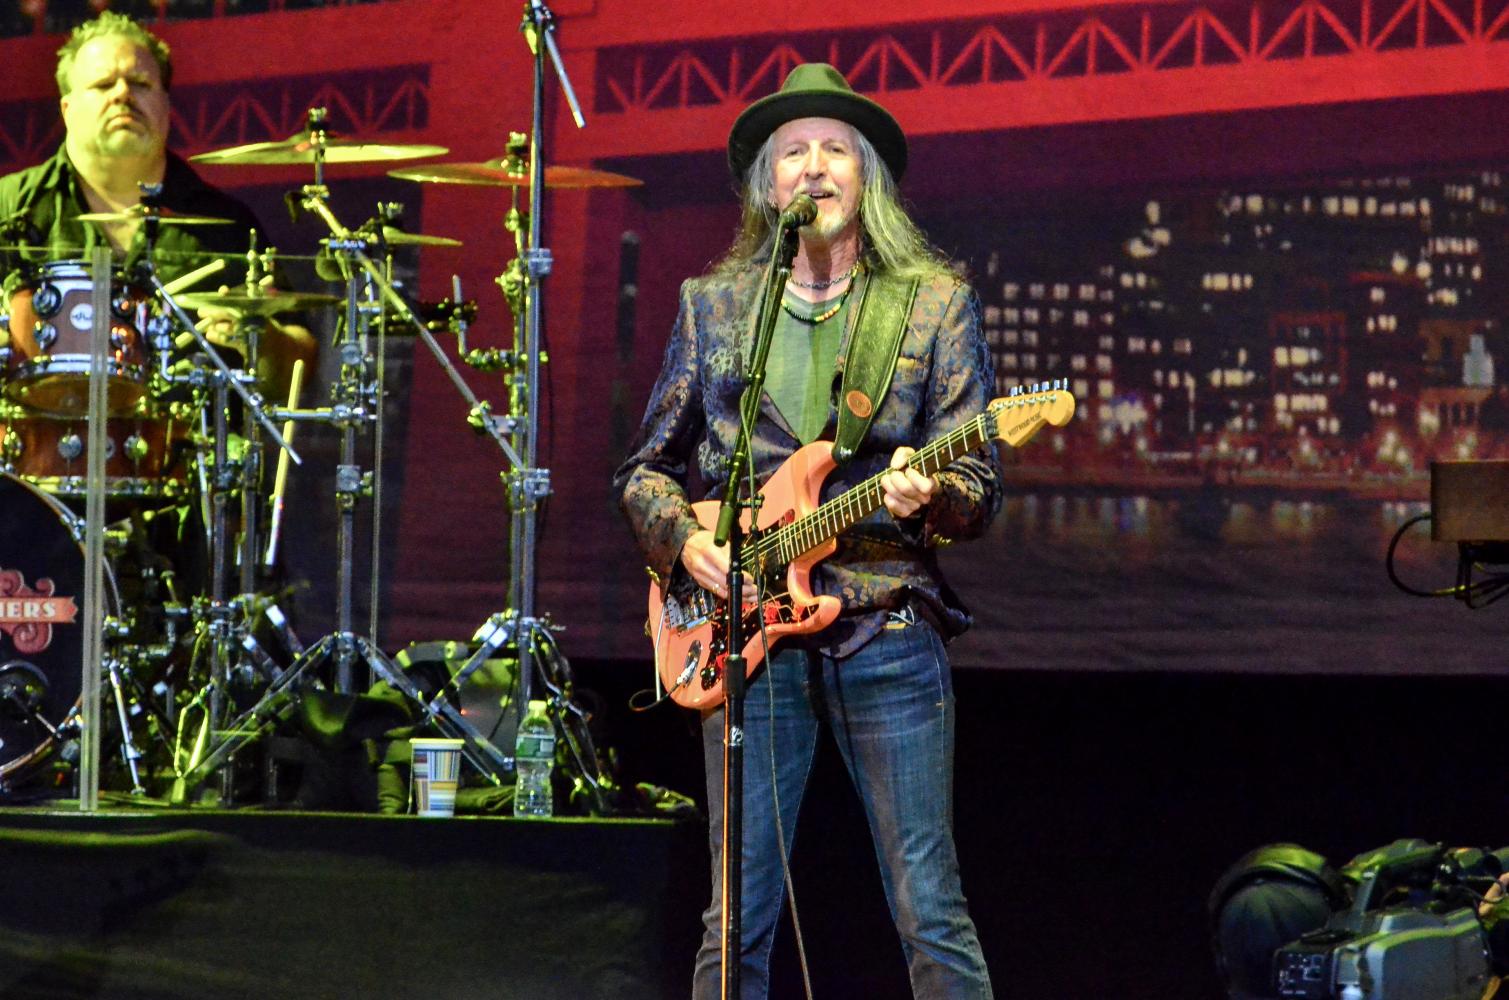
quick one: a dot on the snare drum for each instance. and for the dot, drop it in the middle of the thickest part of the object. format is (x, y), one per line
(51, 323)
(41, 622)
(51, 453)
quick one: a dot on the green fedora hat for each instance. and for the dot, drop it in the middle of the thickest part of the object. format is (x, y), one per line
(815, 90)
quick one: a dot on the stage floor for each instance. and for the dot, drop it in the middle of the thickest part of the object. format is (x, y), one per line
(187, 904)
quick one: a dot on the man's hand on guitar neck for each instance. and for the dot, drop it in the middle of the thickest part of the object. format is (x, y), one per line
(708, 565)
(906, 490)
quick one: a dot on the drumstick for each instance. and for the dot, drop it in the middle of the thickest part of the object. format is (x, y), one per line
(183, 281)
(280, 481)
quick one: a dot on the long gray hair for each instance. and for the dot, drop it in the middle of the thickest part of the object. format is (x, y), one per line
(890, 240)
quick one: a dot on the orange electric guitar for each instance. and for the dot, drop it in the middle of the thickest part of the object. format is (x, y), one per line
(688, 624)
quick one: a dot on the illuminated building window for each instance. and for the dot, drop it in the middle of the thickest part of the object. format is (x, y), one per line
(1029, 338)
(1376, 294)
(1082, 388)
(992, 315)
(1086, 292)
(1036, 290)
(1104, 389)
(1077, 363)
(1029, 315)
(1281, 402)
(1029, 362)
(1157, 347)
(1010, 291)
(1061, 291)
(1135, 345)
(1281, 356)
(1081, 317)
(1012, 315)
(1008, 362)
(1103, 363)
(1182, 345)
(1012, 337)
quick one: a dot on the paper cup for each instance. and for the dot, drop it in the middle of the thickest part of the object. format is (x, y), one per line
(434, 775)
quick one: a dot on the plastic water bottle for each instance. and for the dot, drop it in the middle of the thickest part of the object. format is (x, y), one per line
(534, 758)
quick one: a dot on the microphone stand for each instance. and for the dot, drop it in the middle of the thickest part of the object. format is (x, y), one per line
(729, 532)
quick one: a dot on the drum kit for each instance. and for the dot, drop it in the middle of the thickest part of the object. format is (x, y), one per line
(195, 658)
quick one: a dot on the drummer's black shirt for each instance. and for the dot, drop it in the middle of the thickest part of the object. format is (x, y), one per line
(39, 209)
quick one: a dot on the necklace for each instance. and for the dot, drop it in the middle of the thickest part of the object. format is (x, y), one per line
(820, 285)
(818, 318)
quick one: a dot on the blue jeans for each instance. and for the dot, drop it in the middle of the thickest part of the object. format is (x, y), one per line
(891, 709)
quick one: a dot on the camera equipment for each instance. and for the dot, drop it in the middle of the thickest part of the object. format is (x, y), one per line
(1412, 931)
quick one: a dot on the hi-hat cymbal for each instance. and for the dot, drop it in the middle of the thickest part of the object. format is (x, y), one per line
(263, 302)
(396, 237)
(509, 172)
(164, 216)
(302, 147)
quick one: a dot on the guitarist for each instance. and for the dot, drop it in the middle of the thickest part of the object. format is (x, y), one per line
(878, 676)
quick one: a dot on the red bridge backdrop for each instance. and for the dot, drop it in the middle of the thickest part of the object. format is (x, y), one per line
(1266, 241)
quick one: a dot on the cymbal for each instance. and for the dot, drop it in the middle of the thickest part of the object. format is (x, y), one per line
(165, 216)
(266, 302)
(301, 147)
(510, 172)
(396, 237)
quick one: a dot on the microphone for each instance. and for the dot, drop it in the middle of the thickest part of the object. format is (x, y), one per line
(800, 212)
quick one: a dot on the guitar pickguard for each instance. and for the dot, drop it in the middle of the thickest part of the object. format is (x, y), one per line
(689, 608)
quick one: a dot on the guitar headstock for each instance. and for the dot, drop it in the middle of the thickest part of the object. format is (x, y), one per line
(1019, 416)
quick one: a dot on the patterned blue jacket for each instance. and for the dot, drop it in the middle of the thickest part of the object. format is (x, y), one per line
(943, 378)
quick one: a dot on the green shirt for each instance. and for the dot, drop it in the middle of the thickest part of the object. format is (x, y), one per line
(803, 353)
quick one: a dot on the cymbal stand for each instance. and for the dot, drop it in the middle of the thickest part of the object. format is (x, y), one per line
(222, 618)
(355, 403)
(517, 432)
(528, 485)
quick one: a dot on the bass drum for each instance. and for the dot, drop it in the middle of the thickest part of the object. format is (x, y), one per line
(41, 625)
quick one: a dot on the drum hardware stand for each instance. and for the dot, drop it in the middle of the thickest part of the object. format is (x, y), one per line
(221, 619)
(355, 401)
(517, 431)
(522, 286)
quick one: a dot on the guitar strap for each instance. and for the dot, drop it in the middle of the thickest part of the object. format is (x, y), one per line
(884, 308)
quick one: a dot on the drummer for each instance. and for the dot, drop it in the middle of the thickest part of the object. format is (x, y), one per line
(114, 77)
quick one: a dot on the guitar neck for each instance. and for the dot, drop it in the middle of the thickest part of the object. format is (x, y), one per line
(844, 511)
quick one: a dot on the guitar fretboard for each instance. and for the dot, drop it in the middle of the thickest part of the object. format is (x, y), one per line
(781, 545)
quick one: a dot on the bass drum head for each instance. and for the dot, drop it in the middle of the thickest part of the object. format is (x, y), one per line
(41, 622)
